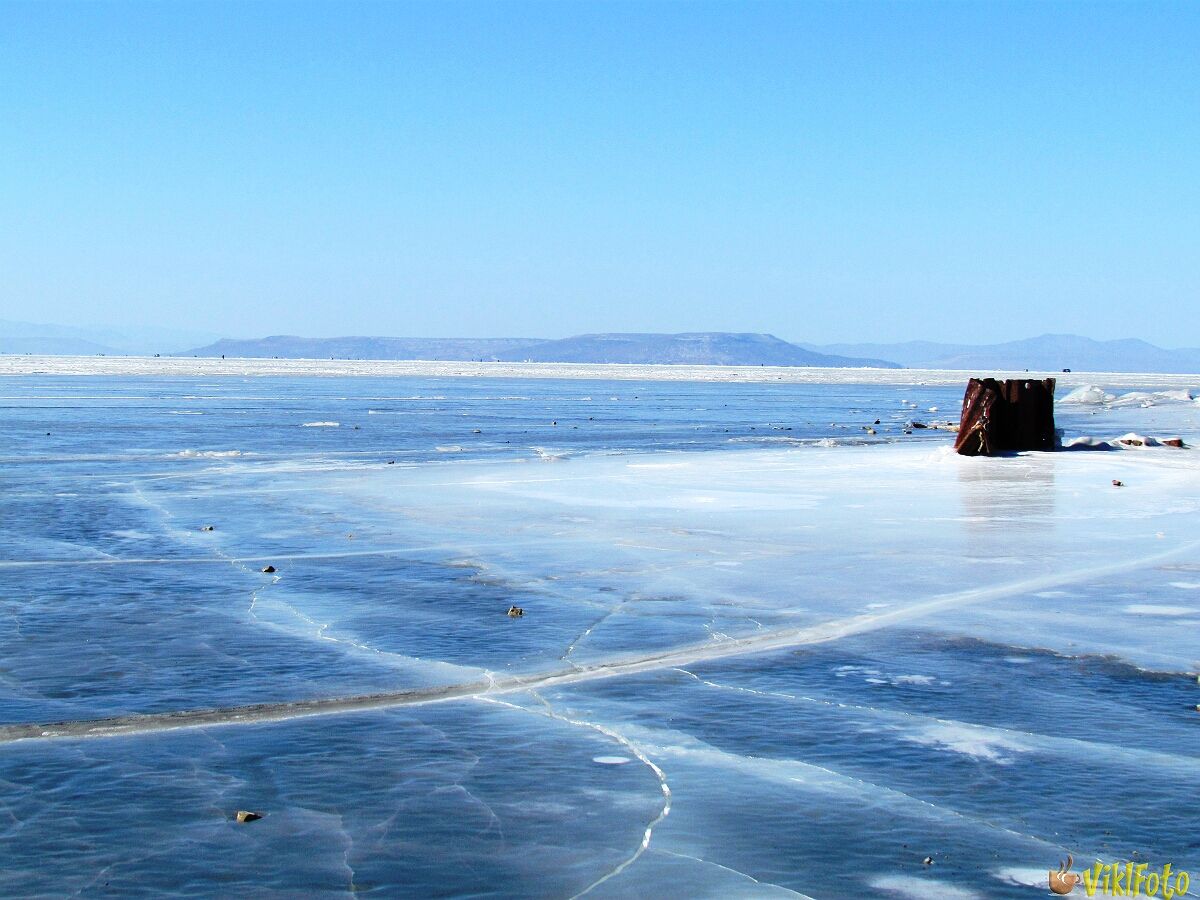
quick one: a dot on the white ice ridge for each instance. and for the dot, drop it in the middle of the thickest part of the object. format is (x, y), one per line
(1093, 395)
(760, 642)
(212, 367)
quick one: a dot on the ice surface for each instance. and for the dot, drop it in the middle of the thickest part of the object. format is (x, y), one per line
(175, 367)
(761, 656)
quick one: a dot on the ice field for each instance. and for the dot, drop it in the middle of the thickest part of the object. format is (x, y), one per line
(765, 651)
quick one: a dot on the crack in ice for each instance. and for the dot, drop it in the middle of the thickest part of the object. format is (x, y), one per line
(783, 639)
(632, 748)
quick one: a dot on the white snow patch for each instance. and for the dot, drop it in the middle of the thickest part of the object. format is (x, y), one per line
(875, 676)
(1093, 395)
(1089, 394)
(914, 679)
(922, 888)
(1024, 877)
(844, 671)
(321, 425)
(207, 454)
(969, 741)
(1152, 609)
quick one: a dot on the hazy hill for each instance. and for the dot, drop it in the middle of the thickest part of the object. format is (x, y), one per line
(26, 337)
(69, 340)
(703, 348)
(287, 346)
(714, 348)
(1049, 353)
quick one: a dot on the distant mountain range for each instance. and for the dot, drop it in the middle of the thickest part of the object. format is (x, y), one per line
(284, 346)
(699, 348)
(1047, 353)
(71, 340)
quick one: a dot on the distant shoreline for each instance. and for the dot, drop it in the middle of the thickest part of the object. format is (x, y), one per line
(143, 366)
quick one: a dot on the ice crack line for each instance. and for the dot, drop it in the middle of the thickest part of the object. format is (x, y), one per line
(762, 642)
(632, 748)
(215, 560)
(709, 862)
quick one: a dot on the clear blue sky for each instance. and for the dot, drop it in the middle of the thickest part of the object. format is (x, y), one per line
(822, 171)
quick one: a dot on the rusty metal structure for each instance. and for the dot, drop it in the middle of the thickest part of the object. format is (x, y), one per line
(1005, 416)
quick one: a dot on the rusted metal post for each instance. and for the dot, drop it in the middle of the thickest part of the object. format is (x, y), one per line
(1002, 416)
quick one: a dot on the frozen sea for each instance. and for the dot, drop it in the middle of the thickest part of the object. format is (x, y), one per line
(765, 651)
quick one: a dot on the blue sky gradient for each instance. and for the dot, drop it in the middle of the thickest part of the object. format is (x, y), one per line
(822, 171)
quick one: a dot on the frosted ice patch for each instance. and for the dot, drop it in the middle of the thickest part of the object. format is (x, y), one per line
(1186, 585)
(922, 888)
(1153, 609)
(1147, 399)
(321, 425)
(875, 676)
(207, 454)
(914, 679)
(449, 448)
(611, 760)
(1018, 660)
(1091, 395)
(1088, 394)
(1022, 877)
(844, 671)
(131, 534)
(978, 743)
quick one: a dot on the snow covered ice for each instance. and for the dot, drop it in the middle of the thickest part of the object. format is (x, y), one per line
(763, 653)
